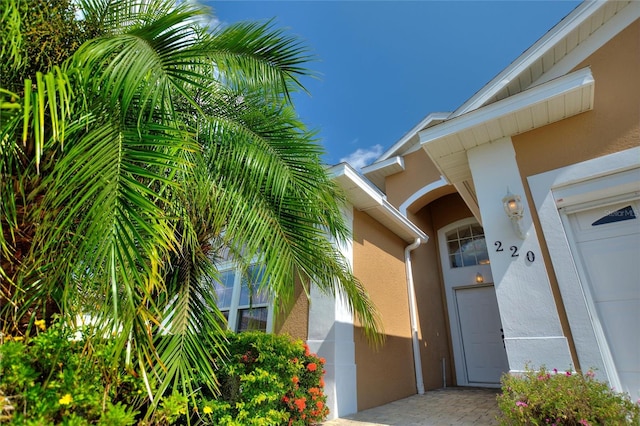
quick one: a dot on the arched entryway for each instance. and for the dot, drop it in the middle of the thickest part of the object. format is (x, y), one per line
(476, 331)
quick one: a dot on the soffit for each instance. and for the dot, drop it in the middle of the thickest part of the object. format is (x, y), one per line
(447, 144)
(377, 172)
(391, 161)
(554, 47)
(365, 197)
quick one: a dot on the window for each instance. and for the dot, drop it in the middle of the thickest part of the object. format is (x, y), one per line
(239, 300)
(467, 247)
(619, 215)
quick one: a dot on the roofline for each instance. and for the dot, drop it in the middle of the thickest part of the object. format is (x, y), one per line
(516, 102)
(375, 203)
(533, 53)
(382, 164)
(440, 116)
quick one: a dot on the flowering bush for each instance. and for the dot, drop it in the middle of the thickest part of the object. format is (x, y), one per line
(269, 380)
(45, 379)
(51, 378)
(541, 397)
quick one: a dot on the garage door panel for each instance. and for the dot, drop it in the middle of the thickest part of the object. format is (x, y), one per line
(620, 255)
(622, 327)
(608, 252)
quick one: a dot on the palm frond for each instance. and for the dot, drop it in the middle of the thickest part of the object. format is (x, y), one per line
(279, 204)
(258, 56)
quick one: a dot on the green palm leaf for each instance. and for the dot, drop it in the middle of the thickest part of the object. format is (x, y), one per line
(157, 144)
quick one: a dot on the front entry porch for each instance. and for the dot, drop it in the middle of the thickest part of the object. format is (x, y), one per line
(449, 406)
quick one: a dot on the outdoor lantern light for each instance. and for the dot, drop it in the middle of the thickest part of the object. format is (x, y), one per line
(515, 211)
(479, 278)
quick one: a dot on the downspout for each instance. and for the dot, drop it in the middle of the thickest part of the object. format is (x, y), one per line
(417, 360)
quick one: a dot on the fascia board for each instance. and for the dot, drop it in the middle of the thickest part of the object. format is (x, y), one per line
(585, 49)
(434, 116)
(365, 197)
(389, 163)
(352, 182)
(522, 63)
(576, 80)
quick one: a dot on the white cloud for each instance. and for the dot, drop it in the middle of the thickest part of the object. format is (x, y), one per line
(362, 156)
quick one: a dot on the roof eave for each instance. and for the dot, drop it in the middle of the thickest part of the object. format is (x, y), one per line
(447, 143)
(366, 198)
(574, 19)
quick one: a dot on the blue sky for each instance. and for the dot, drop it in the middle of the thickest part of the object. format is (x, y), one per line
(385, 65)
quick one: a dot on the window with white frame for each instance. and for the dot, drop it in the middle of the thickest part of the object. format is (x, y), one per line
(239, 300)
(467, 247)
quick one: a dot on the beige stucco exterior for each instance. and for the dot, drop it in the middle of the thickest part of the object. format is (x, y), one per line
(293, 319)
(419, 172)
(614, 123)
(386, 374)
(612, 126)
(435, 344)
(423, 198)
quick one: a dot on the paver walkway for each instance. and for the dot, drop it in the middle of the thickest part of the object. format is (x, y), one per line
(450, 406)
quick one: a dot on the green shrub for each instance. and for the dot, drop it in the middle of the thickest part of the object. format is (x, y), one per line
(268, 380)
(541, 397)
(50, 379)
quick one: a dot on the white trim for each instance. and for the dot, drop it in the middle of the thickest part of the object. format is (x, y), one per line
(531, 55)
(605, 352)
(413, 316)
(358, 182)
(380, 165)
(588, 340)
(234, 305)
(523, 288)
(434, 116)
(421, 192)
(365, 197)
(585, 49)
(560, 86)
(331, 335)
(451, 285)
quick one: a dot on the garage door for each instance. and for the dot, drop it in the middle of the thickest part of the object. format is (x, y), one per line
(607, 242)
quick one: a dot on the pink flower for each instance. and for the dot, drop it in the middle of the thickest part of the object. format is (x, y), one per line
(590, 374)
(521, 404)
(583, 422)
(555, 370)
(568, 373)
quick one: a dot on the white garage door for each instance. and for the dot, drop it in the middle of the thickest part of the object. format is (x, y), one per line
(607, 241)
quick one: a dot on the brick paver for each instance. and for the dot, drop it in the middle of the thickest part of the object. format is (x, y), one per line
(451, 406)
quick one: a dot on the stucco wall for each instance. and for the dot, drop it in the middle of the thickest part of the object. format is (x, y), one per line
(419, 172)
(387, 374)
(614, 123)
(612, 126)
(430, 297)
(294, 319)
(434, 316)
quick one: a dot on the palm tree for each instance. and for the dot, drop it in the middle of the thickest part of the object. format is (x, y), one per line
(156, 144)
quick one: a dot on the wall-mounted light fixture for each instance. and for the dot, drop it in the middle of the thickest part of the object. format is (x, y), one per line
(479, 278)
(515, 212)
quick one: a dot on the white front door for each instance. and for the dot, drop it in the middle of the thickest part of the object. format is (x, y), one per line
(607, 242)
(476, 331)
(482, 335)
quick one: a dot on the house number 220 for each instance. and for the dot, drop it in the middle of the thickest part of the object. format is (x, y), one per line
(514, 251)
